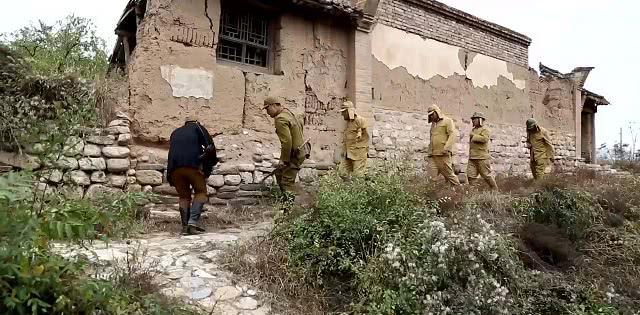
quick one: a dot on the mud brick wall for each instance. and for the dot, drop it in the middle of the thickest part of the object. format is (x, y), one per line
(419, 17)
(399, 134)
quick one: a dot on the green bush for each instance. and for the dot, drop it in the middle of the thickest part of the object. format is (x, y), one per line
(35, 280)
(349, 222)
(386, 250)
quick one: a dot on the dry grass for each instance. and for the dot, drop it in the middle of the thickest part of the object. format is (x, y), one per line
(214, 218)
(608, 256)
(263, 263)
(112, 95)
(629, 166)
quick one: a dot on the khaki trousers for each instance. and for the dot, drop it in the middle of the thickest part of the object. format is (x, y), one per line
(355, 167)
(286, 177)
(442, 164)
(540, 168)
(481, 168)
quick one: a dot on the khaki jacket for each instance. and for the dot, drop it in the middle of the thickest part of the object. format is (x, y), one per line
(540, 143)
(479, 143)
(290, 133)
(356, 139)
(443, 135)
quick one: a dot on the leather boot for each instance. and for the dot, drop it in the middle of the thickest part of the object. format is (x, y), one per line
(194, 226)
(184, 220)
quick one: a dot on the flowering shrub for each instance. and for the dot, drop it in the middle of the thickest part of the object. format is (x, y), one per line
(380, 246)
(442, 269)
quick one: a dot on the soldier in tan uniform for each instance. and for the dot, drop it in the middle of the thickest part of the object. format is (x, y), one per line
(356, 141)
(540, 148)
(479, 158)
(289, 131)
(442, 138)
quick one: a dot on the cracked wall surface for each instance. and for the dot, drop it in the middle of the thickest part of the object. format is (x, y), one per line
(174, 72)
(410, 73)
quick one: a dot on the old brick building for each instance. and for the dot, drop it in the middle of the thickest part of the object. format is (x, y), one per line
(220, 59)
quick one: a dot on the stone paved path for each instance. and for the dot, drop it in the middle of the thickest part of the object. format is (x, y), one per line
(188, 267)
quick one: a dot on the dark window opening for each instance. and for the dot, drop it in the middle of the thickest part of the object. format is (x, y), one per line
(245, 37)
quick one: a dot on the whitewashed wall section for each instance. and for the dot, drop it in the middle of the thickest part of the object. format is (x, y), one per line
(187, 82)
(427, 58)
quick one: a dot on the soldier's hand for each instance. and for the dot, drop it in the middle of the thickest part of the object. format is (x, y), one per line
(282, 164)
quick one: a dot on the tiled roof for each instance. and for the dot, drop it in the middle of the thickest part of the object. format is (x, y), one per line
(335, 6)
(598, 99)
(464, 17)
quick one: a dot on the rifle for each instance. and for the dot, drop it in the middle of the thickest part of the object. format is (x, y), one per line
(267, 176)
(276, 169)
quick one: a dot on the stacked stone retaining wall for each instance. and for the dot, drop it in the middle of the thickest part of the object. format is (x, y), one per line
(103, 161)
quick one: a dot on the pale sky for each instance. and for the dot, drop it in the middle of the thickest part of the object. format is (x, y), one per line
(565, 34)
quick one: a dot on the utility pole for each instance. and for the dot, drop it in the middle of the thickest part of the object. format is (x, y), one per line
(621, 157)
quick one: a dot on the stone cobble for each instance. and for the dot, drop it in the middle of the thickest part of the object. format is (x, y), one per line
(187, 267)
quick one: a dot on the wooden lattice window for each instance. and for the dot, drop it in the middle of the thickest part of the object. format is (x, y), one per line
(244, 37)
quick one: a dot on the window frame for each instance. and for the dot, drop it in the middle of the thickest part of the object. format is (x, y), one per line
(271, 36)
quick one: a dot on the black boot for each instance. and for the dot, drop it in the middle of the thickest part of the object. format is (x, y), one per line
(194, 226)
(184, 220)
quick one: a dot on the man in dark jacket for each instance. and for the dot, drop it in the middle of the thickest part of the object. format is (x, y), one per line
(192, 156)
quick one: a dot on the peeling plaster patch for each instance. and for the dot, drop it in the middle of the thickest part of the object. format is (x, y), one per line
(424, 58)
(427, 58)
(196, 83)
(484, 71)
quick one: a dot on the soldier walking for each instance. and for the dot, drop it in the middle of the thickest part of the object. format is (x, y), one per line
(356, 141)
(192, 156)
(479, 158)
(290, 133)
(442, 138)
(540, 149)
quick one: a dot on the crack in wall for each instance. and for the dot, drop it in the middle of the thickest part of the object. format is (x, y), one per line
(206, 13)
(244, 100)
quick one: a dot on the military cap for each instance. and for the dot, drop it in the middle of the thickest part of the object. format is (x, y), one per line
(531, 123)
(346, 105)
(270, 101)
(478, 115)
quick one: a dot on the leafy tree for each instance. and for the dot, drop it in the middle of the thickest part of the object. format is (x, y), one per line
(70, 46)
(34, 108)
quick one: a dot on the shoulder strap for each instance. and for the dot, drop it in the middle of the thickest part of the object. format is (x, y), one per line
(206, 139)
(294, 117)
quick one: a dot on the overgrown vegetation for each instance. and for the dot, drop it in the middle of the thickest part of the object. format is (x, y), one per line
(395, 244)
(37, 109)
(36, 280)
(46, 105)
(69, 46)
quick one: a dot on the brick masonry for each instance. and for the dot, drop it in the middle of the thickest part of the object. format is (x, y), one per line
(420, 17)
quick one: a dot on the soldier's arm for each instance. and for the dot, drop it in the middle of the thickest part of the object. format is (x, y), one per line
(547, 140)
(453, 135)
(482, 137)
(361, 123)
(284, 134)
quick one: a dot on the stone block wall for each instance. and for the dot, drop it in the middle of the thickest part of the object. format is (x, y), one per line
(106, 161)
(437, 21)
(397, 134)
